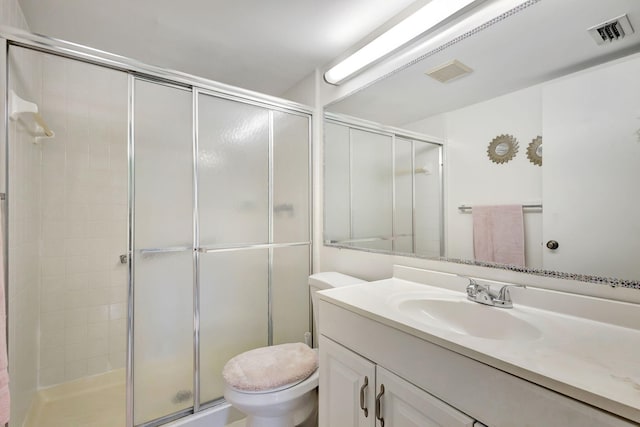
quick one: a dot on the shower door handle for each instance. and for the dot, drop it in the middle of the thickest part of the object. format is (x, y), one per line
(152, 251)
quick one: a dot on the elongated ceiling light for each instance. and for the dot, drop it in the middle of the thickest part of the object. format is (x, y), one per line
(406, 30)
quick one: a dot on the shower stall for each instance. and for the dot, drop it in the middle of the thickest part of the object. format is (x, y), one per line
(157, 224)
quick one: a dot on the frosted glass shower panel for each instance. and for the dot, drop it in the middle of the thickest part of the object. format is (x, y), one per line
(233, 311)
(403, 203)
(337, 196)
(163, 335)
(163, 166)
(163, 280)
(233, 171)
(290, 293)
(371, 189)
(428, 206)
(290, 178)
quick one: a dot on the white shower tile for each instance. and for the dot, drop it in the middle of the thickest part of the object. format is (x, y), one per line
(76, 298)
(52, 301)
(77, 281)
(98, 314)
(99, 229)
(75, 352)
(75, 370)
(53, 266)
(97, 365)
(98, 347)
(76, 265)
(50, 339)
(53, 283)
(53, 321)
(52, 230)
(75, 247)
(76, 317)
(76, 335)
(51, 376)
(98, 296)
(117, 311)
(52, 247)
(100, 279)
(117, 359)
(98, 331)
(52, 357)
(76, 211)
(76, 229)
(118, 294)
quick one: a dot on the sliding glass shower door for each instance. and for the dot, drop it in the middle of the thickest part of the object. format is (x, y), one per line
(253, 198)
(162, 250)
(221, 240)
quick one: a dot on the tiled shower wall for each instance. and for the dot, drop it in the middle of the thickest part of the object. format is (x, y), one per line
(84, 221)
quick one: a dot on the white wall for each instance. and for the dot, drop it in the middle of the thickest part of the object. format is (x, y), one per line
(24, 230)
(84, 221)
(592, 149)
(471, 178)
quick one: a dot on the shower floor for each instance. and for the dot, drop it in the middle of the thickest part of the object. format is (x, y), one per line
(98, 401)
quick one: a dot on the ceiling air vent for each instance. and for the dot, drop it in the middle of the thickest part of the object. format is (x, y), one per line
(611, 30)
(449, 71)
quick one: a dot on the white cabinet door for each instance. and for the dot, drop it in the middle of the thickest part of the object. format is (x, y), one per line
(347, 387)
(404, 404)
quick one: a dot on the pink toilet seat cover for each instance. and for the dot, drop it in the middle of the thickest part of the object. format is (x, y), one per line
(269, 368)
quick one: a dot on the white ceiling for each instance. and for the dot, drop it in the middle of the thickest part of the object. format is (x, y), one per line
(544, 41)
(263, 45)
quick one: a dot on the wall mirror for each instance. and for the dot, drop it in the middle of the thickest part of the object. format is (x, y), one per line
(555, 82)
(383, 188)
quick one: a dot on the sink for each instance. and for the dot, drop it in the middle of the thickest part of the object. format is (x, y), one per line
(469, 318)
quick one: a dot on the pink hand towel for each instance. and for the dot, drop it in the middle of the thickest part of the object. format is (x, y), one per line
(498, 234)
(4, 374)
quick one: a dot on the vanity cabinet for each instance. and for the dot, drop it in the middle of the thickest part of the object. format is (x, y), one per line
(356, 392)
(428, 382)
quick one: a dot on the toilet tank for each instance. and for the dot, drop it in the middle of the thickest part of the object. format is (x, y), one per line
(322, 281)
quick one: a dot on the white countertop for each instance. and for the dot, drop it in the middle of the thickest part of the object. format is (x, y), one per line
(588, 360)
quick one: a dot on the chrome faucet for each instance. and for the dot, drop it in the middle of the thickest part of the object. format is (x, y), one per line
(483, 294)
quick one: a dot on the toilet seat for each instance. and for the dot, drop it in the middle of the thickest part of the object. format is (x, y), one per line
(269, 369)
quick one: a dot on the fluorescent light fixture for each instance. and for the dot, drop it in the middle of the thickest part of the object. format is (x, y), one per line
(406, 30)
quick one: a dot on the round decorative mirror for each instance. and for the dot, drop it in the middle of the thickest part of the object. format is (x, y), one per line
(534, 151)
(502, 149)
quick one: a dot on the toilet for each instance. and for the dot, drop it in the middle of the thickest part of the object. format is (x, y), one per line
(289, 398)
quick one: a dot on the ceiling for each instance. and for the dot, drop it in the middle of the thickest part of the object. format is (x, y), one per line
(544, 41)
(264, 45)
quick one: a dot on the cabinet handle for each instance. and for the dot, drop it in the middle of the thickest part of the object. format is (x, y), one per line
(362, 389)
(378, 406)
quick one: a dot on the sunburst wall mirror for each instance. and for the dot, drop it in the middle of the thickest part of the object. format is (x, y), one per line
(502, 148)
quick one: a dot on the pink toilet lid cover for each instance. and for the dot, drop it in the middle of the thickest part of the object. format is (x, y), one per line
(269, 368)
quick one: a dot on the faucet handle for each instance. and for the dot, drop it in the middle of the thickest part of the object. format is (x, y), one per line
(472, 287)
(504, 297)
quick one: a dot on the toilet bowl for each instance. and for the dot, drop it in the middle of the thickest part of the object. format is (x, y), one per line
(288, 405)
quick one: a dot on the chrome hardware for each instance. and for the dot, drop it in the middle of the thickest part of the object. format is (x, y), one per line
(362, 389)
(379, 406)
(553, 245)
(124, 258)
(483, 294)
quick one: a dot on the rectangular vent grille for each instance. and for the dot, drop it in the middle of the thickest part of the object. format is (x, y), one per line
(449, 71)
(612, 30)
